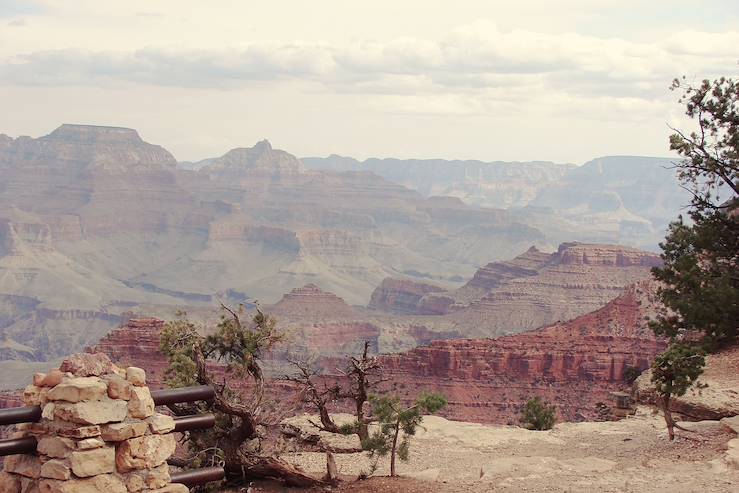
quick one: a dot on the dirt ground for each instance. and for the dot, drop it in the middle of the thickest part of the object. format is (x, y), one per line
(632, 455)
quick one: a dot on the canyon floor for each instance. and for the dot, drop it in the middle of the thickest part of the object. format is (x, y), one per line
(632, 455)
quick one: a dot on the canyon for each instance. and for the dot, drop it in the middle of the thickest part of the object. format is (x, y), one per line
(575, 364)
(531, 290)
(604, 195)
(98, 226)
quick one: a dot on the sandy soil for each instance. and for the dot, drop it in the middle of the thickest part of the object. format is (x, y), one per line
(632, 455)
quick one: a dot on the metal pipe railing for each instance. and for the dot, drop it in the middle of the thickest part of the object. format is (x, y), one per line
(32, 414)
(14, 446)
(195, 477)
(185, 394)
(197, 422)
(15, 415)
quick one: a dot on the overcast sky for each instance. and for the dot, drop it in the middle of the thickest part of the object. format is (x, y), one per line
(475, 79)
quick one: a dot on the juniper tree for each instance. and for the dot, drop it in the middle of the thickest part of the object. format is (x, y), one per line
(397, 424)
(699, 281)
(538, 414)
(673, 372)
(361, 376)
(700, 275)
(242, 417)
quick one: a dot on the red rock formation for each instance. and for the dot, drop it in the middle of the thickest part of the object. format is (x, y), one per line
(136, 343)
(312, 303)
(494, 274)
(575, 280)
(573, 364)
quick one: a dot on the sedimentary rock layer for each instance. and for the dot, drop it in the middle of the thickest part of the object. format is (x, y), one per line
(574, 364)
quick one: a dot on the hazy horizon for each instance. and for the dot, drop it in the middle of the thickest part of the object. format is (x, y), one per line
(481, 80)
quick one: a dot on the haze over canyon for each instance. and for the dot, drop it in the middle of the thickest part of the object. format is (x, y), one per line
(98, 226)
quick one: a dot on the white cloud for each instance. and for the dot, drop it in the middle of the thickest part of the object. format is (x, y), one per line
(470, 58)
(557, 69)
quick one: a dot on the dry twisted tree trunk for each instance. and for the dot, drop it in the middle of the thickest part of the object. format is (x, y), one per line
(238, 462)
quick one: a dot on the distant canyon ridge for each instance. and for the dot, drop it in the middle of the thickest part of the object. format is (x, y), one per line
(98, 226)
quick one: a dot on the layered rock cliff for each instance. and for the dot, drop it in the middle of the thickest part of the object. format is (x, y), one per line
(137, 341)
(627, 199)
(529, 291)
(573, 364)
(401, 296)
(97, 225)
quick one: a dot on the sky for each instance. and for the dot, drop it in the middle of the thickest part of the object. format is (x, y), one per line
(564, 81)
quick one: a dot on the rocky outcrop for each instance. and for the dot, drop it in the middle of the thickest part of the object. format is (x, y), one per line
(495, 274)
(260, 158)
(401, 296)
(136, 342)
(536, 289)
(604, 255)
(312, 303)
(573, 364)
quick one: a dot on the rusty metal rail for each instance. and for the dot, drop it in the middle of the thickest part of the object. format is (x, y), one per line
(198, 476)
(196, 422)
(185, 394)
(14, 446)
(17, 415)
(32, 414)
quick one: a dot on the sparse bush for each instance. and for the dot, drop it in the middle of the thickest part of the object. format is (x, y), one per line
(631, 373)
(538, 414)
(349, 428)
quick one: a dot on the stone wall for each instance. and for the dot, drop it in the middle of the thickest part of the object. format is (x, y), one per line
(99, 432)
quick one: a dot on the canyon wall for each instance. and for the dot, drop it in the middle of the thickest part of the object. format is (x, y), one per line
(573, 364)
(624, 199)
(97, 226)
(529, 291)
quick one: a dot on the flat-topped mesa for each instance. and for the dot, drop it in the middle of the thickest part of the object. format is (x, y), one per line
(261, 158)
(97, 181)
(609, 255)
(95, 134)
(74, 148)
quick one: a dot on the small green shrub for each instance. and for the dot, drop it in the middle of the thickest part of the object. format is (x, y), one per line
(349, 428)
(538, 414)
(631, 373)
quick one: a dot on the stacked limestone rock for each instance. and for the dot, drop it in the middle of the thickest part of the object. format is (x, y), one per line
(98, 433)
